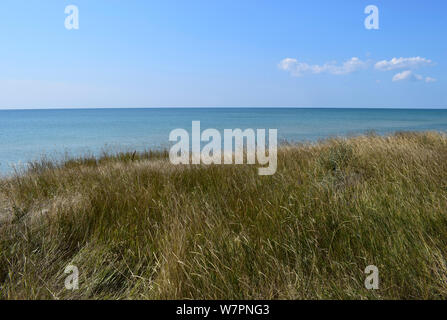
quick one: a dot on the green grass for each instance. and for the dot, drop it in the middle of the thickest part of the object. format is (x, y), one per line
(138, 227)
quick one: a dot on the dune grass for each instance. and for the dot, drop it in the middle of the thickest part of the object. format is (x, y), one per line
(138, 227)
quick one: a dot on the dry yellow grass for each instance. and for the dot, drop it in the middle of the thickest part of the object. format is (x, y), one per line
(138, 227)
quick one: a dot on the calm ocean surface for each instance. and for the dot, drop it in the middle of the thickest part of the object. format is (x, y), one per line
(29, 134)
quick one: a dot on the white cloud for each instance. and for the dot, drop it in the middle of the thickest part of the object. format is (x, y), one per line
(409, 75)
(402, 63)
(297, 68)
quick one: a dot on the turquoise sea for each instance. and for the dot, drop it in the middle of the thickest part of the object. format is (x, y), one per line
(27, 135)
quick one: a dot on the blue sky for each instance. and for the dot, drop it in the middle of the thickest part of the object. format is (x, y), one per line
(223, 53)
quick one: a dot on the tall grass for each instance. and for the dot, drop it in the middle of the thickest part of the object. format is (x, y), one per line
(138, 227)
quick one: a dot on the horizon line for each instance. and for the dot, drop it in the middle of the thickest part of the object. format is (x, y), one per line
(218, 107)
